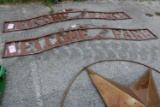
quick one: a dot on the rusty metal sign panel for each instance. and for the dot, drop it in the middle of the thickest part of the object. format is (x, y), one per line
(82, 33)
(67, 14)
(142, 94)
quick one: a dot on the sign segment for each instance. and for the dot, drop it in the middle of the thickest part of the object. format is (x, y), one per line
(18, 25)
(43, 43)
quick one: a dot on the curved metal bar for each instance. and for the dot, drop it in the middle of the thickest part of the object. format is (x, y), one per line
(100, 61)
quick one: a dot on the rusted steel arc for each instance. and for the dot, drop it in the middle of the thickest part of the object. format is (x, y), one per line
(82, 29)
(100, 61)
(73, 12)
(53, 19)
(81, 38)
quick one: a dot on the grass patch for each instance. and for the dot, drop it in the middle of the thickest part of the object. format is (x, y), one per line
(48, 3)
(51, 11)
(23, 1)
(79, 0)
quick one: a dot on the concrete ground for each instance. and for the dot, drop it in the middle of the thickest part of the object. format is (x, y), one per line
(40, 80)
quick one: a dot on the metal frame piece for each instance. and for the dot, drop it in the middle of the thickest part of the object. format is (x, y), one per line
(43, 43)
(68, 14)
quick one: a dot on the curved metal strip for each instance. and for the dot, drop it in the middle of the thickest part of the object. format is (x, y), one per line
(10, 26)
(40, 44)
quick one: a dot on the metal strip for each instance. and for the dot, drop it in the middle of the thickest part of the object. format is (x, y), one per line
(10, 26)
(47, 42)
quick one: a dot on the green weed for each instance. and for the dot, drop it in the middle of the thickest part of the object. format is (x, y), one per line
(48, 3)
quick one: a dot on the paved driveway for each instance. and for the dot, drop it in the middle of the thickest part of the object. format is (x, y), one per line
(40, 80)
